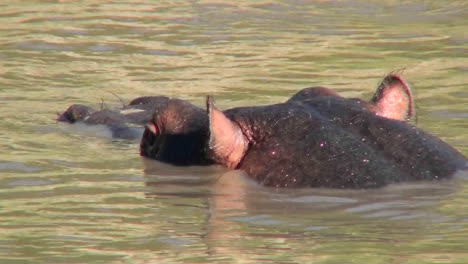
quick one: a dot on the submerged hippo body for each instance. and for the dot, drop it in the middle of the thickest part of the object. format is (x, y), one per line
(315, 139)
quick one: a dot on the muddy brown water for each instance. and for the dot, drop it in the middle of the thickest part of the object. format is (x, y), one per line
(70, 194)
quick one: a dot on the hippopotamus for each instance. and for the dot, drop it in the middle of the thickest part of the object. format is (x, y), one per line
(75, 113)
(315, 139)
(129, 121)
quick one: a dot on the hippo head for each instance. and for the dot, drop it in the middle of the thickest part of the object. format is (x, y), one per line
(177, 131)
(75, 113)
(320, 139)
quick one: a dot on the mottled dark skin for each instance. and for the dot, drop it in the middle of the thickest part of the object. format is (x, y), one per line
(415, 152)
(319, 139)
(302, 147)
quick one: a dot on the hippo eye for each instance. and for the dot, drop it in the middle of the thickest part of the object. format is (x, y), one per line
(153, 127)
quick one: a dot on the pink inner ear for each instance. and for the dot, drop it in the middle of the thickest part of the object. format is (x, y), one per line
(393, 99)
(152, 127)
(393, 105)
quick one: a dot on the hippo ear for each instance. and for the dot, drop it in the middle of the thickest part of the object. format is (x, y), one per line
(393, 99)
(227, 144)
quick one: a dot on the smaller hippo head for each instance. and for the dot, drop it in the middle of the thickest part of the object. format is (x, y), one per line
(176, 133)
(75, 113)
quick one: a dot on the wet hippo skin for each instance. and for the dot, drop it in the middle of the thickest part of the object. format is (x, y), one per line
(320, 139)
(75, 113)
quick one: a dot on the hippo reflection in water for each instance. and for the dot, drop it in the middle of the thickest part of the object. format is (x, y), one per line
(315, 139)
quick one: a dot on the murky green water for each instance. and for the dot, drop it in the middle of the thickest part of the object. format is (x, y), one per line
(73, 195)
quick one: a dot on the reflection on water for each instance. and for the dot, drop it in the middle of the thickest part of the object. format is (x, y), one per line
(71, 194)
(251, 223)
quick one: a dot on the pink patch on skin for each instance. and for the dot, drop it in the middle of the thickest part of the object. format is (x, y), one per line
(153, 128)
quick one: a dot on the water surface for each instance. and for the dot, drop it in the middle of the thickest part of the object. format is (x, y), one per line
(74, 195)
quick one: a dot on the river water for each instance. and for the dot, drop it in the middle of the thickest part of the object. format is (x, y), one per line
(71, 194)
